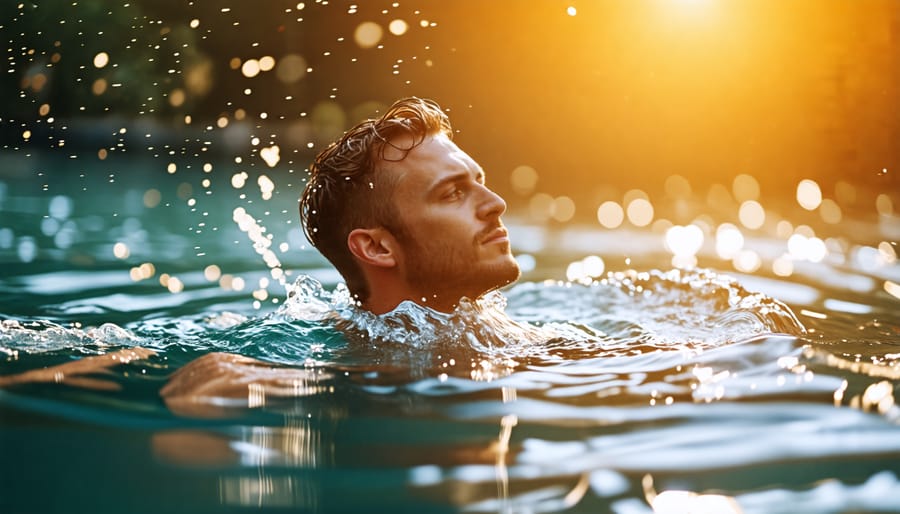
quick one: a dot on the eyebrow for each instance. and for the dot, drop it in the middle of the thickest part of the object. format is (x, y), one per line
(456, 177)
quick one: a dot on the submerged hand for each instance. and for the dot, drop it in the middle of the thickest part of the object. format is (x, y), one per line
(71, 373)
(209, 385)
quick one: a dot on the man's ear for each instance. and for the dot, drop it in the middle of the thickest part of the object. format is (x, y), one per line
(373, 246)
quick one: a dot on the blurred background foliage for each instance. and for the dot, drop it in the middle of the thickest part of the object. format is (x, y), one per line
(595, 97)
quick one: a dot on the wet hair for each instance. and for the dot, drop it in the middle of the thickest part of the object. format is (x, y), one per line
(348, 189)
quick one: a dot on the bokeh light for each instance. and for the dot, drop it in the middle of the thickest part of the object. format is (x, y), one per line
(809, 248)
(398, 27)
(266, 63)
(809, 195)
(121, 250)
(684, 242)
(752, 215)
(640, 212)
(729, 240)
(884, 205)
(585, 270)
(291, 68)
(677, 186)
(368, 34)
(830, 211)
(783, 266)
(212, 273)
(745, 187)
(524, 179)
(250, 68)
(152, 197)
(747, 261)
(101, 60)
(563, 209)
(541, 207)
(610, 214)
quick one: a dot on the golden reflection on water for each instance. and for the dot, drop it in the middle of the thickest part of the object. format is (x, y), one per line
(739, 227)
(682, 502)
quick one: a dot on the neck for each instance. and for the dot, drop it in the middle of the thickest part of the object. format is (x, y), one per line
(386, 292)
(386, 295)
(380, 304)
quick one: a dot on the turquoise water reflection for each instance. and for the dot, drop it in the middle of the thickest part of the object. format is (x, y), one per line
(596, 384)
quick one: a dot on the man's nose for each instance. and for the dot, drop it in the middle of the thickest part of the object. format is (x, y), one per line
(491, 205)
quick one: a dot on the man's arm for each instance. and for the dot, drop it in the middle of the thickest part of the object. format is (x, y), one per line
(210, 385)
(206, 387)
(72, 373)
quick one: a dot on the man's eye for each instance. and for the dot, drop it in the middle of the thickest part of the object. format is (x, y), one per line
(454, 194)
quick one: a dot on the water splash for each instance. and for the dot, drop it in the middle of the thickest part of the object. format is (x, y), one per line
(42, 336)
(626, 313)
(677, 308)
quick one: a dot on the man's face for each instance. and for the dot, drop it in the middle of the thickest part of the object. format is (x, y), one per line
(453, 243)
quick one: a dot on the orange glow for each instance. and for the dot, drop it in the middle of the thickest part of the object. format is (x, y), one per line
(750, 95)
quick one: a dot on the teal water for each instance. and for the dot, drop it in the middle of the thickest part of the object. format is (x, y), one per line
(641, 389)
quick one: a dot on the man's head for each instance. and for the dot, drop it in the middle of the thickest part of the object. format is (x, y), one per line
(404, 214)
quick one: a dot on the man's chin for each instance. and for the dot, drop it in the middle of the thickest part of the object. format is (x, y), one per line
(508, 274)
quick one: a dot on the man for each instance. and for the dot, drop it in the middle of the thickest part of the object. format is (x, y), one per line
(404, 214)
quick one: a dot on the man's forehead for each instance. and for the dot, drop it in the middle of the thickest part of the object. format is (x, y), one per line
(406, 146)
(436, 153)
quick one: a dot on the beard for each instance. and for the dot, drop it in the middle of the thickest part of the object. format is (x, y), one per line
(452, 271)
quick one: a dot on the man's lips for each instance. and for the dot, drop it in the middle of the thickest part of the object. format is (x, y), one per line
(498, 235)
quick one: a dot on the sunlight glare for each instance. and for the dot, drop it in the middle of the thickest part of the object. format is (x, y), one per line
(680, 502)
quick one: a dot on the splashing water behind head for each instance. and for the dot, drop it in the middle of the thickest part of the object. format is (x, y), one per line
(626, 312)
